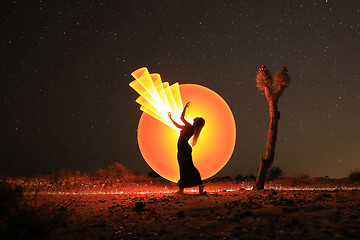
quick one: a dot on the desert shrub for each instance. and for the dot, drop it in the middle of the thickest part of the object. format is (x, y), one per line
(355, 176)
(274, 173)
(117, 171)
(58, 176)
(225, 178)
(241, 178)
(251, 177)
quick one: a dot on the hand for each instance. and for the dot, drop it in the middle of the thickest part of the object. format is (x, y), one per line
(187, 104)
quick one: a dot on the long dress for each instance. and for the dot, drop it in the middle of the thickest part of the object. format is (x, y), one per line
(189, 175)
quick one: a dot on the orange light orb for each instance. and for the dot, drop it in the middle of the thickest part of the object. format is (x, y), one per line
(158, 142)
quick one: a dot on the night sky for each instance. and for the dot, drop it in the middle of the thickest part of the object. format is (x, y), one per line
(65, 70)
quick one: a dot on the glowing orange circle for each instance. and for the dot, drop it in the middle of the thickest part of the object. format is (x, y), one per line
(158, 142)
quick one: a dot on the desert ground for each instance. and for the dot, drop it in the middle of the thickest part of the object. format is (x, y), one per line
(286, 209)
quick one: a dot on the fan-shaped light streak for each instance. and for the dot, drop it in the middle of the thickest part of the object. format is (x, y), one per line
(157, 98)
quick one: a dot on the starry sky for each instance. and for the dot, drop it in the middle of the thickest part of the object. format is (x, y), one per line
(65, 70)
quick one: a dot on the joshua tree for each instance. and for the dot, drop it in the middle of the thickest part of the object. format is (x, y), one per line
(273, 88)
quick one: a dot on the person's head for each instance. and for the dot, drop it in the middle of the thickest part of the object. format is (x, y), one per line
(198, 125)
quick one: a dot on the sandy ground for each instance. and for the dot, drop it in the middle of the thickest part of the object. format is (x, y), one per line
(242, 214)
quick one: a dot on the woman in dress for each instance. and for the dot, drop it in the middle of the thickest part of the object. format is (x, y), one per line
(189, 175)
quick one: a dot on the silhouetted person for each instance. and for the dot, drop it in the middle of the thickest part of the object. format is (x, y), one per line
(189, 175)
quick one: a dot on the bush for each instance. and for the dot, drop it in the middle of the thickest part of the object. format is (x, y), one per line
(355, 176)
(117, 171)
(58, 176)
(274, 173)
(241, 178)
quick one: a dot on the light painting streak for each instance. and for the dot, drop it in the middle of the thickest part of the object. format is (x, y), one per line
(157, 98)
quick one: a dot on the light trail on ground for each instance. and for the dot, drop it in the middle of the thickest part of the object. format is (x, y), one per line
(196, 191)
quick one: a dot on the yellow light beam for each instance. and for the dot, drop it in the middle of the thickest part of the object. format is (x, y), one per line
(175, 90)
(157, 98)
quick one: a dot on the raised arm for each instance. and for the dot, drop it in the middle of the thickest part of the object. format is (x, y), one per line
(183, 114)
(175, 123)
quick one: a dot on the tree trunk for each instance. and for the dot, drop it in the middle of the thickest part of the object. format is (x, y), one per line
(266, 162)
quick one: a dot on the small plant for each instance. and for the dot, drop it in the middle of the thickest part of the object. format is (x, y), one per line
(115, 171)
(274, 173)
(241, 178)
(355, 176)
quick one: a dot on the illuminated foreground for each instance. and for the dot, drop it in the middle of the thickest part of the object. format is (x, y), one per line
(154, 212)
